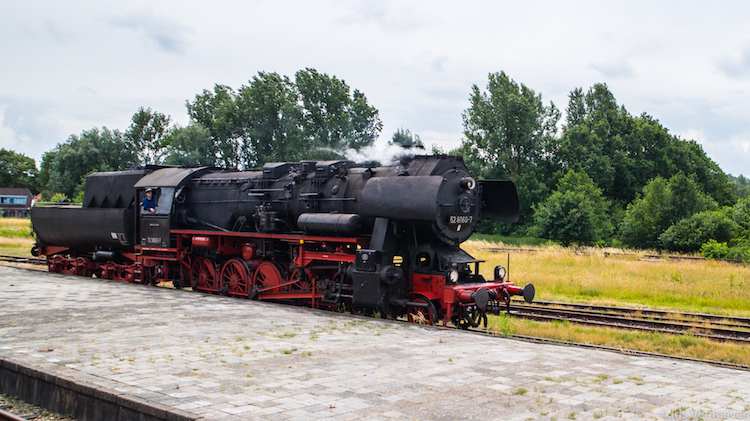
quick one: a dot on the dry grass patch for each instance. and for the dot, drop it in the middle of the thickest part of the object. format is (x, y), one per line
(15, 228)
(681, 345)
(15, 236)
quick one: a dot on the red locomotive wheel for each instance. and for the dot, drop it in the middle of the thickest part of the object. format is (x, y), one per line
(56, 264)
(268, 275)
(234, 275)
(423, 315)
(81, 266)
(203, 275)
(302, 280)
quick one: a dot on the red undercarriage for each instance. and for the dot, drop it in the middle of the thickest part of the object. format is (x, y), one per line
(233, 264)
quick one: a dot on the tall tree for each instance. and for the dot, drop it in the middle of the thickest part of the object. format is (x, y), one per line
(218, 112)
(190, 146)
(365, 120)
(688, 156)
(326, 101)
(275, 119)
(507, 128)
(93, 150)
(17, 170)
(510, 133)
(622, 153)
(271, 118)
(147, 132)
(740, 186)
(334, 117)
(594, 139)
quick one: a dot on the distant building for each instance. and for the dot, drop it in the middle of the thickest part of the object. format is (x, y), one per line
(15, 202)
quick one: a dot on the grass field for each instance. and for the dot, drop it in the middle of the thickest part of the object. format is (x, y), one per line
(15, 236)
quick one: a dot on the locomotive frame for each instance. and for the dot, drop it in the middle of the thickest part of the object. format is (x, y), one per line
(325, 234)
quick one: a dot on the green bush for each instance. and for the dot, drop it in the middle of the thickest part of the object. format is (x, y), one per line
(575, 213)
(60, 198)
(712, 249)
(663, 204)
(690, 233)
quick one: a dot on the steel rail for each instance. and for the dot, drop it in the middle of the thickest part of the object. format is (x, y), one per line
(622, 322)
(664, 313)
(21, 259)
(7, 416)
(729, 321)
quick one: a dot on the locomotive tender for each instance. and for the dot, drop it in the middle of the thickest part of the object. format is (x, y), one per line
(325, 234)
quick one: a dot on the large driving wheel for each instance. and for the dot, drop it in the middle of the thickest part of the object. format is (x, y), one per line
(234, 277)
(203, 275)
(268, 275)
(422, 311)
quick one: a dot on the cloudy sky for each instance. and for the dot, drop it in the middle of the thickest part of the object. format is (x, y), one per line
(69, 66)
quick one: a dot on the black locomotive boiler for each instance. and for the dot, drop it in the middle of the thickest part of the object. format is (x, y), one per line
(325, 234)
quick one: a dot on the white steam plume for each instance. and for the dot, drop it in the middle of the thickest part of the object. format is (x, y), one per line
(385, 154)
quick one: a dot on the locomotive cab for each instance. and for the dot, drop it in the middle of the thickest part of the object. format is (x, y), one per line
(154, 226)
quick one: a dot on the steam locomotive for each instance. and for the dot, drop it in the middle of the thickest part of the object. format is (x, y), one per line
(326, 234)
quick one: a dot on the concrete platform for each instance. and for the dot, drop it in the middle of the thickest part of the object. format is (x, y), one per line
(168, 354)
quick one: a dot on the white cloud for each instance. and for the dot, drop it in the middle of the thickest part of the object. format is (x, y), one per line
(614, 69)
(7, 136)
(737, 66)
(169, 35)
(28, 127)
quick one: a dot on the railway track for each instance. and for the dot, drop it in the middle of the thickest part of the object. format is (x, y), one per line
(7, 416)
(40, 261)
(710, 326)
(14, 409)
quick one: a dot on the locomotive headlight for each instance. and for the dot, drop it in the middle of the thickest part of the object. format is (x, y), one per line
(499, 273)
(468, 183)
(452, 276)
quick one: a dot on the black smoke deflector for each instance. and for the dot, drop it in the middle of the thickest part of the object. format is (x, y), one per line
(499, 200)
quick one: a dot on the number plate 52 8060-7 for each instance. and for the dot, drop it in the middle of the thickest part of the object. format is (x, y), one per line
(460, 219)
